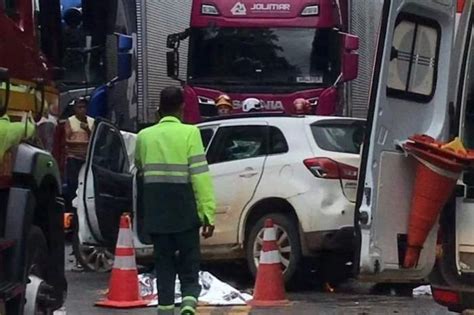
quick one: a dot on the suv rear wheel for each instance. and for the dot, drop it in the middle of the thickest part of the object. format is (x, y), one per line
(287, 239)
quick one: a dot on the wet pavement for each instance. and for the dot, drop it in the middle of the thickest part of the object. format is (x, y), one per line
(85, 288)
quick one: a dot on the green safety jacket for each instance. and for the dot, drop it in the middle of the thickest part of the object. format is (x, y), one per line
(177, 189)
(12, 133)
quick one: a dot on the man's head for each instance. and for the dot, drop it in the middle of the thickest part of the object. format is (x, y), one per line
(80, 108)
(224, 105)
(171, 102)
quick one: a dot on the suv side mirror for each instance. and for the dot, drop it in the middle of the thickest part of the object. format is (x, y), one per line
(4, 90)
(119, 62)
(350, 58)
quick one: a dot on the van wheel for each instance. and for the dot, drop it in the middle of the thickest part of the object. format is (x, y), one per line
(287, 239)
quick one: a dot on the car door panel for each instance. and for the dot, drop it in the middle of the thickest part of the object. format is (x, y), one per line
(108, 190)
(236, 175)
(409, 95)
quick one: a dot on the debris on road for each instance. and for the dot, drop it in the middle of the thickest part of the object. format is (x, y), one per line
(214, 292)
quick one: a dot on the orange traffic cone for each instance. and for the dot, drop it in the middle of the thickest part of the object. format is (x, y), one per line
(433, 188)
(123, 285)
(269, 286)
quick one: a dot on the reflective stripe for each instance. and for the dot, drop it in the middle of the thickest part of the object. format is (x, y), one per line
(125, 239)
(153, 179)
(190, 298)
(269, 234)
(197, 159)
(199, 170)
(188, 310)
(125, 263)
(166, 307)
(161, 167)
(271, 257)
(438, 170)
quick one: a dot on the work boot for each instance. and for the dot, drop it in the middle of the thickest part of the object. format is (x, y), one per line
(188, 305)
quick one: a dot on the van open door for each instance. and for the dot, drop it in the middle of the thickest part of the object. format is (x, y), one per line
(409, 95)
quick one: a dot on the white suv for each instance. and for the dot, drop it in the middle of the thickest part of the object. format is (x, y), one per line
(301, 171)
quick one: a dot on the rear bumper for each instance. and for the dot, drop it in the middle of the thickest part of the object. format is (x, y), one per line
(341, 240)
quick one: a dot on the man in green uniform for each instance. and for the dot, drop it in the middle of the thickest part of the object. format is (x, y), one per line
(178, 198)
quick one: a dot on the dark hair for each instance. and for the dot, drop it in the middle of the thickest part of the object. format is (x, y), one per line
(171, 99)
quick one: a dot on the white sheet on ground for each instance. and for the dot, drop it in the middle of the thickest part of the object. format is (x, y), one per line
(423, 290)
(214, 291)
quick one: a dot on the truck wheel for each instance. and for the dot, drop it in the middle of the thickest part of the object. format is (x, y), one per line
(93, 258)
(287, 239)
(37, 290)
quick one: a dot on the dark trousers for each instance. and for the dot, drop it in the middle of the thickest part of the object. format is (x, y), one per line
(73, 167)
(177, 253)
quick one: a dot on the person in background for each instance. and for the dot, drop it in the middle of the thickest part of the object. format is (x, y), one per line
(224, 105)
(302, 106)
(178, 198)
(78, 131)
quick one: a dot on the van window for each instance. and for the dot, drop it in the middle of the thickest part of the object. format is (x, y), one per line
(339, 136)
(414, 58)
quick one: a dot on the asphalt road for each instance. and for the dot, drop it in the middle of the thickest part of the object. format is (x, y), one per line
(86, 288)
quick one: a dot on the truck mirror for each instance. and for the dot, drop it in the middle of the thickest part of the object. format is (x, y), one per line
(172, 62)
(4, 90)
(119, 61)
(327, 102)
(350, 58)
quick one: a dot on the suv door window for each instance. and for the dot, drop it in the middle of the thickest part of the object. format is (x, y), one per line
(206, 136)
(237, 143)
(108, 150)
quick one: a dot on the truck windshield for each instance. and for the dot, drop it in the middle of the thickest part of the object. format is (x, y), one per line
(286, 56)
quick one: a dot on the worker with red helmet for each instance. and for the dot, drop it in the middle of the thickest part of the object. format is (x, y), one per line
(302, 106)
(224, 105)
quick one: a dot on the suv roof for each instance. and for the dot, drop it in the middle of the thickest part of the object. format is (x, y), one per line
(278, 116)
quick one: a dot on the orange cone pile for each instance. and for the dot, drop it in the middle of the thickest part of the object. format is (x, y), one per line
(269, 286)
(439, 167)
(123, 285)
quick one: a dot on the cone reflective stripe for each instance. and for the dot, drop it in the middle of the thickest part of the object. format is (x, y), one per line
(123, 285)
(269, 286)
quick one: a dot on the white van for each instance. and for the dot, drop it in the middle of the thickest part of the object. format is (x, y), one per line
(422, 84)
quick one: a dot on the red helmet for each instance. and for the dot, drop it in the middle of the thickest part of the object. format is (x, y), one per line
(302, 106)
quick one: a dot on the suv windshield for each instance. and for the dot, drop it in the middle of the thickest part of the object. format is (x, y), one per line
(287, 56)
(340, 136)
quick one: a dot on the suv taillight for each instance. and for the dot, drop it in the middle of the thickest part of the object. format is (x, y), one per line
(330, 169)
(446, 297)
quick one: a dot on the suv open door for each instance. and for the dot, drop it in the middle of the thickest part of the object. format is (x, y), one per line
(409, 96)
(107, 190)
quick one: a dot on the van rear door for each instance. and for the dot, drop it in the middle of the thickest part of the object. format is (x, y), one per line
(409, 95)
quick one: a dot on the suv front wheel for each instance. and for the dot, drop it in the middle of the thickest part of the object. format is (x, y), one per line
(288, 242)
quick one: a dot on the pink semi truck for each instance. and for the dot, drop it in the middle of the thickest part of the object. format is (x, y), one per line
(273, 50)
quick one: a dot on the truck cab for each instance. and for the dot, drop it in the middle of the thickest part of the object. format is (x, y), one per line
(259, 49)
(421, 85)
(32, 278)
